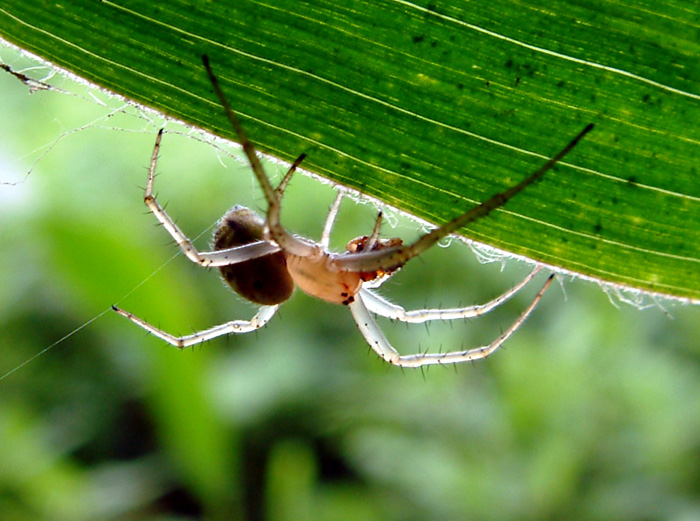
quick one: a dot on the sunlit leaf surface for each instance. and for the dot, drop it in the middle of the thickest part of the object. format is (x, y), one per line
(434, 106)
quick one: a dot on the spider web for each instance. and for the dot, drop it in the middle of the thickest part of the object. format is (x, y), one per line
(114, 115)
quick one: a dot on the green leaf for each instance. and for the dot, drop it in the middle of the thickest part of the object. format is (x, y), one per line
(435, 106)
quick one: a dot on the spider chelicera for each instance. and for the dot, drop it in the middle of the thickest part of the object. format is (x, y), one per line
(263, 262)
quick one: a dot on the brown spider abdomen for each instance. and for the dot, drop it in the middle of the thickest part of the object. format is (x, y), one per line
(264, 280)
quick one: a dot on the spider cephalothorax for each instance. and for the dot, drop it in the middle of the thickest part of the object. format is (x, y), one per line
(263, 262)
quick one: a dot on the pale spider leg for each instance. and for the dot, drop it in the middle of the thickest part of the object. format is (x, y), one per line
(261, 318)
(213, 258)
(330, 220)
(238, 254)
(286, 241)
(396, 257)
(379, 305)
(378, 342)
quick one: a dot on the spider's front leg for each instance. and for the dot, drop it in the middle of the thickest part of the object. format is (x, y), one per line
(381, 306)
(288, 242)
(391, 259)
(378, 342)
(261, 318)
(224, 257)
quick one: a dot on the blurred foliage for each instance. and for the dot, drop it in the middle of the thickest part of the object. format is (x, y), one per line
(590, 412)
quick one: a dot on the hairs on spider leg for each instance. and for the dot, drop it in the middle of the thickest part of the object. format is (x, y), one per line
(333, 277)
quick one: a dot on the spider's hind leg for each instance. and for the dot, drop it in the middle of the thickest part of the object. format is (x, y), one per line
(203, 258)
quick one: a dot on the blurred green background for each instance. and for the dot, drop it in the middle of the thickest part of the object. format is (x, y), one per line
(590, 411)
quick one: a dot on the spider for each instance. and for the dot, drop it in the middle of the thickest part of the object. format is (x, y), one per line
(263, 262)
